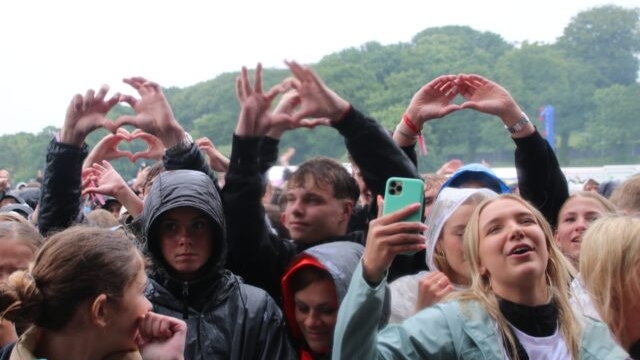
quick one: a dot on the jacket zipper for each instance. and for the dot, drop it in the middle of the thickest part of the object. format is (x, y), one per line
(185, 296)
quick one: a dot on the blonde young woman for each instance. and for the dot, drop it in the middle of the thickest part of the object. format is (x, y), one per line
(610, 267)
(517, 306)
(449, 270)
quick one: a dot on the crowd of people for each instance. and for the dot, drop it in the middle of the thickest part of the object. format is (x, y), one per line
(201, 257)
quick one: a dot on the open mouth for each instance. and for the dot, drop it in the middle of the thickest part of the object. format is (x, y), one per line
(520, 249)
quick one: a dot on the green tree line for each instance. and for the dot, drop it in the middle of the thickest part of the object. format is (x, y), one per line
(589, 75)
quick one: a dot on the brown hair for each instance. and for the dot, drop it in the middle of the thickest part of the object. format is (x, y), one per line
(24, 233)
(306, 276)
(627, 196)
(102, 218)
(74, 265)
(324, 172)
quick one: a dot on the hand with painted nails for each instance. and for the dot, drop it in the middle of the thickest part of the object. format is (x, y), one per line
(87, 113)
(153, 113)
(256, 118)
(388, 237)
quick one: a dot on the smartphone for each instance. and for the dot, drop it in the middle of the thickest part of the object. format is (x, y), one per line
(401, 192)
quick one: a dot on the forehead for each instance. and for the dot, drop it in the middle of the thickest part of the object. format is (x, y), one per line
(310, 186)
(583, 204)
(320, 291)
(502, 208)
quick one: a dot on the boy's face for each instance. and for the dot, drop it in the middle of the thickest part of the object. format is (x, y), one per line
(312, 213)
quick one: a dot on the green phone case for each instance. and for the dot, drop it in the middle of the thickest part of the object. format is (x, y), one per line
(401, 192)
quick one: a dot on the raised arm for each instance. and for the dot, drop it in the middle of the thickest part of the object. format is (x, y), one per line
(61, 186)
(540, 178)
(255, 254)
(154, 116)
(371, 147)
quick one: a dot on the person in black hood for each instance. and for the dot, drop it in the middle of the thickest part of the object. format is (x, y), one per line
(184, 230)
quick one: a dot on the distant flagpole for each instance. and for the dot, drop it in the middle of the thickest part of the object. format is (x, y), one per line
(547, 114)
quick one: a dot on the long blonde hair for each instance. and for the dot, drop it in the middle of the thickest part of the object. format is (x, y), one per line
(559, 273)
(610, 268)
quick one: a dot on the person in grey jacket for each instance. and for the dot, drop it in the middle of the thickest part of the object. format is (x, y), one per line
(184, 231)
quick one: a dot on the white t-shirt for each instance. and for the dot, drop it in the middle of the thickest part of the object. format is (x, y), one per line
(543, 348)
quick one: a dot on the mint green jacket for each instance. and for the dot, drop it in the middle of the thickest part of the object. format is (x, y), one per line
(451, 330)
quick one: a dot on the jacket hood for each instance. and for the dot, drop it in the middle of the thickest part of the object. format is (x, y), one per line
(183, 188)
(340, 260)
(447, 202)
(477, 172)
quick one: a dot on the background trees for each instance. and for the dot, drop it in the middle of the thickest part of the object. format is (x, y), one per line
(590, 76)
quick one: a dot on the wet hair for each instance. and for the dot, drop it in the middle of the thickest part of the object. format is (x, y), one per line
(626, 197)
(307, 275)
(559, 273)
(610, 268)
(21, 232)
(73, 266)
(325, 172)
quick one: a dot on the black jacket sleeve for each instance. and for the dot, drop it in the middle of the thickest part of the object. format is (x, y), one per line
(375, 152)
(60, 198)
(256, 254)
(379, 158)
(540, 178)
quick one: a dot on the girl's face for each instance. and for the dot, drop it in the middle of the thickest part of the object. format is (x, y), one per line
(14, 255)
(512, 249)
(316, 311)
(576, 216)
(451, 243)
(185, 240)
(127, 313)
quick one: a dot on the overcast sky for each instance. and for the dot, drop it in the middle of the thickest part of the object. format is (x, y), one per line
(54, 49)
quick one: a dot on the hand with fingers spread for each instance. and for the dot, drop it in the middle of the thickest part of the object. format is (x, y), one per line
(388, 237)
(153, 113)
(155, 147)
(87, 113)
(217, 161)
(317, 101)
(287, 105)
(102, 178)
(433, 100)
(432, 288)
(161, 337)
(486, 96)
(256, 118)
(107, 148)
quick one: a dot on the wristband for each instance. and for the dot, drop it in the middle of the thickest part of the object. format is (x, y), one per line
(414, 128)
